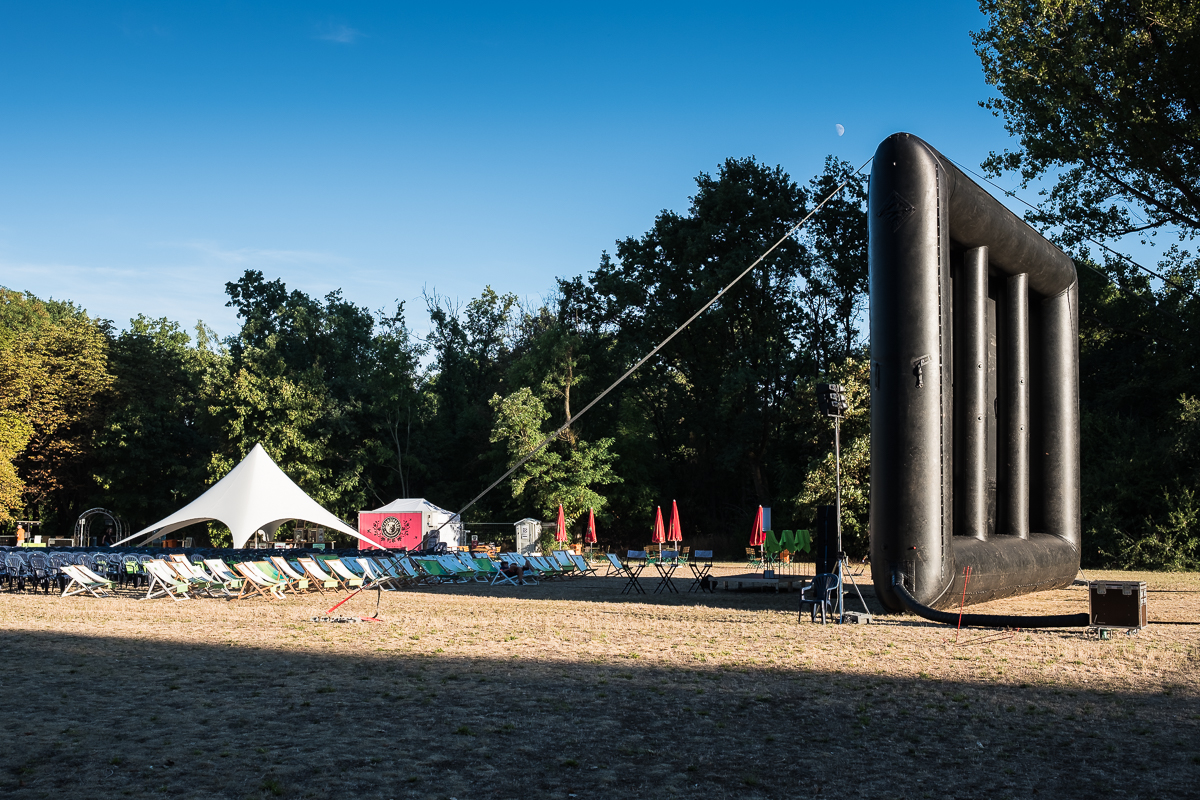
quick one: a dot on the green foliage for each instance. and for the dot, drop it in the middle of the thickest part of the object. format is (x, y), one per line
(567, 471)
(820, 485)
(1102, 93)
(53, 381)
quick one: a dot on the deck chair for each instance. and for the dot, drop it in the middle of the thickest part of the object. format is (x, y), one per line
(272, 572)
(393, 566)
(490, 571)
(83, 582)
(163, 582)
(296, 580)
(344, 574)
(322, 579)
(196, 579)
(468, 561)
(257, 584)
(519, 560)
(436, 571)
(451, 564)
(374, 576)
(220, 570)
(562, 559)
(628, 570)
(583, 567)
(410, 570)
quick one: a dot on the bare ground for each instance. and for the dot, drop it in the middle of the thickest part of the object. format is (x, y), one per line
(573, 690)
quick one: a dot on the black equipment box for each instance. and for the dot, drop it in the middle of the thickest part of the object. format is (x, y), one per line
(825, 550)
(1117, 604)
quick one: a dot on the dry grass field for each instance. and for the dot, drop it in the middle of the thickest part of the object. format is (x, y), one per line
(573, 690)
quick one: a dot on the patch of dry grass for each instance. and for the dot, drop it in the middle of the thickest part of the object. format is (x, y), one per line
(571, 689)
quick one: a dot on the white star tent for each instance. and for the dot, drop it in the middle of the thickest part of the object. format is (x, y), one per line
(255, 495)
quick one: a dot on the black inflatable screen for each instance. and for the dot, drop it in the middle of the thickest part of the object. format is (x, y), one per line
(974, 389)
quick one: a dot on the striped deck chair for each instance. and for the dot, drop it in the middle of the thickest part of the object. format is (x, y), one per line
(531, 574)
(164, 582)
(220, 570)
(258, 584)
(197, 579)
(271, 571)
(344, 574)
(454, 562)
(84, 580)
(414, 573)
(323, 580)
(296, 580)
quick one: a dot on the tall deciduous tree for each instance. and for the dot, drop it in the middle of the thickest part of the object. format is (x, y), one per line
(1107, 92)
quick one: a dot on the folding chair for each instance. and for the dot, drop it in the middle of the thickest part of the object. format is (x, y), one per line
(296, 580)
(629, 571)
(375, 575)
(414, 573)
(323, 580)
(584, 567)
(220, 570)
(701, 567)
(258, 584)
(168, 583)
(506, 560)
(542, 568)
(85, 582)
(340, 571)
(563, 560)
(822, 594)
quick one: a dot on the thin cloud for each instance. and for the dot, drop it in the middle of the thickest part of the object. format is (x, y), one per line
(257, 255)
(341, 34)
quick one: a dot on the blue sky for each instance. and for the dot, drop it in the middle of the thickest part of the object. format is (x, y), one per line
(150, 152)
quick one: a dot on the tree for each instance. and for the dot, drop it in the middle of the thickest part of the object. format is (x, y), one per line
(567, 471)
(1107, 92)
(154, 446)
(53, 379)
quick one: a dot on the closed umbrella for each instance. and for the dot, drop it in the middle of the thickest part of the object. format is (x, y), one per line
(674, 534)
(757, 537)
(660, 534)
(590, 536)
(560, 531)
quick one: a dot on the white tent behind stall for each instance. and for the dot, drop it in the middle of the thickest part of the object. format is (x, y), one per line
(255, 495)
(447, 525)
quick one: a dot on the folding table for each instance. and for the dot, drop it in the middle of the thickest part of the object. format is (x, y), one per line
(666, 568)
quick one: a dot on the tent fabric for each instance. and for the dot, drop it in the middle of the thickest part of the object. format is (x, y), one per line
(410, 504)
(256, 494)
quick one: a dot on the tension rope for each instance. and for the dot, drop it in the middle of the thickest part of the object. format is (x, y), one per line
(561, 429)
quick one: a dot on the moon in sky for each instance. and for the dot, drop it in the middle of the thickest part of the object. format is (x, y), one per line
(840, 129)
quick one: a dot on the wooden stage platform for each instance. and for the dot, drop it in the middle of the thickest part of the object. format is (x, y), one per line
(755, 580)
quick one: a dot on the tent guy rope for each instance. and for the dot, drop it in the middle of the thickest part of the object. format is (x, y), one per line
(559, 431)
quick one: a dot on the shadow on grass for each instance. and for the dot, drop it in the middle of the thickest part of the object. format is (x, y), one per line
(98, 717)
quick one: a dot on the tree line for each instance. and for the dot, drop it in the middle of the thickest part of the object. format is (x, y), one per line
(359, 410)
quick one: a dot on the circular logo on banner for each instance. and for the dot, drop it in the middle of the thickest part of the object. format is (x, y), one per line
(390, 529)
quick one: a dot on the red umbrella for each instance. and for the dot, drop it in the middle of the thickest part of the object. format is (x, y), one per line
(660, 535)
(560, 532)
(590, 536)
(674, 534)
(757, 537)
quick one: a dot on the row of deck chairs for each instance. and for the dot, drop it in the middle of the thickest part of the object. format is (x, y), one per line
(272, 578)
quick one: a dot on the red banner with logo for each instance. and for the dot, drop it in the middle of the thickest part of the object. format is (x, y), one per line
(391, 530)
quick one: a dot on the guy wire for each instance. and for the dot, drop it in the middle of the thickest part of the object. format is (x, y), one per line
(791, 231)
